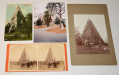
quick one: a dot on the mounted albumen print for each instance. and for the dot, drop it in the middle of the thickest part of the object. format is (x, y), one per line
(91, 34)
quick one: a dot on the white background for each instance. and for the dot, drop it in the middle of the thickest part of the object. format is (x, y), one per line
(113, 10)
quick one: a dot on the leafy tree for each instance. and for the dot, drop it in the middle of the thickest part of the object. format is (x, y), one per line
(63, 23)
(47, 18)
(56, 8)
(7, 27)
(16, 34)
(78, 38)
(21, 23)
(39, 22)
(28, 28)
(57, 20)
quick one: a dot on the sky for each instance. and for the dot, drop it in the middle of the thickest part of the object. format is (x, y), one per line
(39, 8)
(16, 51)
(10, 9)
(80, 20)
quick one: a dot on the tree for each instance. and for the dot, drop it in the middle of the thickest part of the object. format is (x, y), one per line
(39, 22)
(90, 33)
(57, 20)
(28, 28)
(47, 18)
(16, 34)
(13, 29)
(78, 38)
(7, 27)
(21, 22)
(56, 8)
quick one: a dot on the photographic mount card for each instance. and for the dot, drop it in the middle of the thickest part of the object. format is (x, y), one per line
(90, 35)
(36, 57)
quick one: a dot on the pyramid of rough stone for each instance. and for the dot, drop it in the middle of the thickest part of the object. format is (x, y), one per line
(50, 57)
(90, 33)
(24, 57)
(13, 20)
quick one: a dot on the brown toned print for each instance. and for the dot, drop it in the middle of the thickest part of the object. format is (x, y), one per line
(90, 34)
(94, 45)
(51, 57)
(36, 57)
(22, 57)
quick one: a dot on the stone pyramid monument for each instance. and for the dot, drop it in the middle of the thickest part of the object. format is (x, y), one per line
(50, 56)
(13, 20)
(24, 57)
(90, 33)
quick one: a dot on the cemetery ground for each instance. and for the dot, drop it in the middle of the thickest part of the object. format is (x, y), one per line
(53, 33)
(43, 26)
(45, 67)
(53, 30)
(18, 67)
(86, 50)
(10, 37)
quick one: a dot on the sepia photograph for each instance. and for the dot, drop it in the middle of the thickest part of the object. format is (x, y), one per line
(22, 58)
(36, 57)
(49, 22)
(51, 57)
(91, 34)
(18, 24)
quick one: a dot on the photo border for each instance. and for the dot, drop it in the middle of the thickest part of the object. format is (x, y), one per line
(7, 58)
(89, 59)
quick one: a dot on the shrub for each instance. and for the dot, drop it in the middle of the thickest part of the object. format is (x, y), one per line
(16, 35)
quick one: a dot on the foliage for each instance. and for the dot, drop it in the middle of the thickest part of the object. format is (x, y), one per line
(56, 8)
(28, 28)
(51, 8)
(8, 38)
(23, 27)
(21, 23)
(47, 18)
(63, 23)
(78, 38)
(39, 22)
(90, 33)
(7, 27)
(16, 35)
(57, 20)
(13, 29)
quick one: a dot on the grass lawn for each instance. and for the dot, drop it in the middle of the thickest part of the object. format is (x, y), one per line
(87, 50)
(9, 37)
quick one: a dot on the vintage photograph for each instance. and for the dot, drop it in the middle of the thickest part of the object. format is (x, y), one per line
(18, 24)
(49, 22)
(36, 57)
(91, 34)
(22, 58)
(51, 57)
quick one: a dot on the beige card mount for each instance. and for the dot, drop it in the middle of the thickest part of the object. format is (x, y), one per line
(90, 35)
